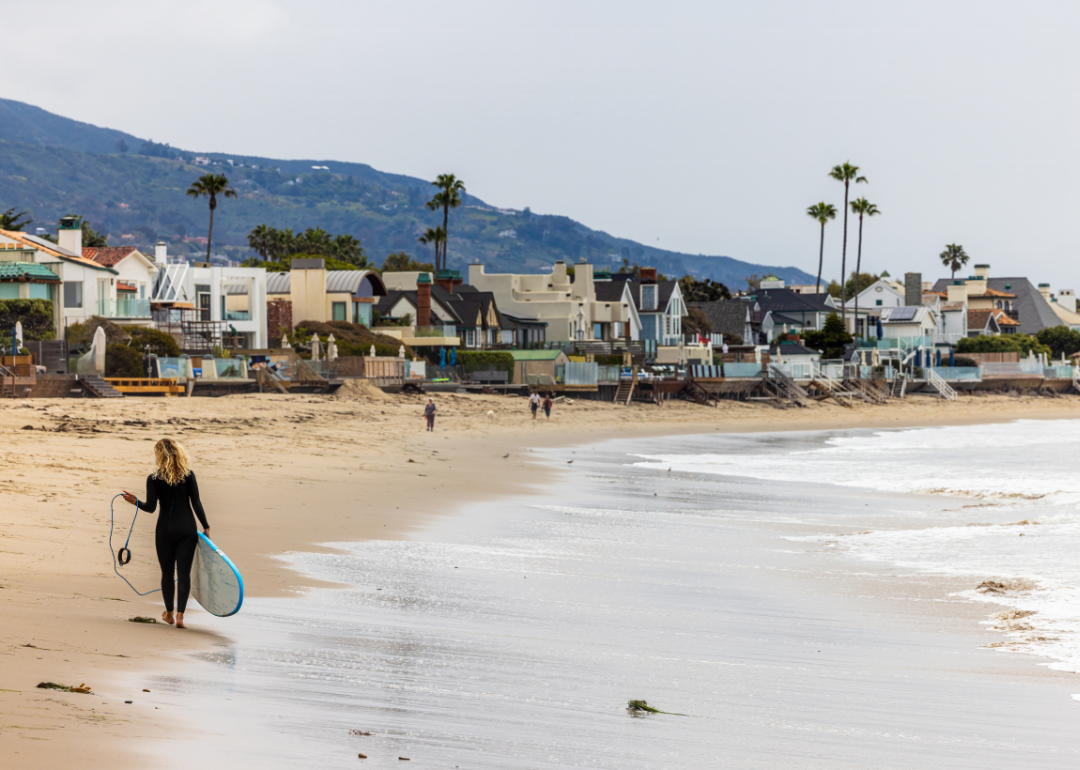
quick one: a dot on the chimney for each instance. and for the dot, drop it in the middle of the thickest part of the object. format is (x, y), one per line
(977, 285)
(1067, 299)
(982, 271)
(447, 279)
(912, 289)
(1044, 290)
(957, 291)
(423, 300)
(648, 275)
(161, 254)
(70, 235)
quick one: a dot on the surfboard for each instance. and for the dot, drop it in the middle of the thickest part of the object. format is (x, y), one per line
(215, 581)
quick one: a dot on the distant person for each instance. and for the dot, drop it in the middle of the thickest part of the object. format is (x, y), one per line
(548, 403)
(534, 403)
(429, 415)
(176, 536)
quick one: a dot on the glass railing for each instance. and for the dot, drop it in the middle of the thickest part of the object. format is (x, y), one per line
(447, 330)
(237, 315)
(954, 373)
(124, 307)
(746, 369)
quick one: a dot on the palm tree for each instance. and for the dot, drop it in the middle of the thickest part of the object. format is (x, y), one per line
(348, 249)
(316, 241)
(845, 173)
(448, 197)
(211, 186)
(437, 237)
(822, 212)
(259, 240)
(954, 257)
(863, 208)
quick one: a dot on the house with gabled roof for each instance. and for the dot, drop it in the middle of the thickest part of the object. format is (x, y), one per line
(1020, 299)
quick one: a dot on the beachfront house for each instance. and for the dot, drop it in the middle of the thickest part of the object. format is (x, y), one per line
(659, 304)
(905, 322)
(1018, 298)
(776, 311)
(983, 322)
(878, 295)
(564, 299)
(23, 278)
(793, 352)
(469, 316)
(318, 294)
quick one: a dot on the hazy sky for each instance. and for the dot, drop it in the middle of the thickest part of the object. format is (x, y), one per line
(706, 127)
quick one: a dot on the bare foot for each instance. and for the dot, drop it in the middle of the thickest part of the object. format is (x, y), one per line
(167, 617)
(180, 620)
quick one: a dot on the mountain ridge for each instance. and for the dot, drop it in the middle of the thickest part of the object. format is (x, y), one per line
(133, 189)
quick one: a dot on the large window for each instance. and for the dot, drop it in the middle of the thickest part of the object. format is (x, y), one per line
(648, 296)
(338, 311)
(73, 294)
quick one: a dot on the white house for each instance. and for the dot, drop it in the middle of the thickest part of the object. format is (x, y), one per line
(905, 321)
(213, 300)
(877, 296)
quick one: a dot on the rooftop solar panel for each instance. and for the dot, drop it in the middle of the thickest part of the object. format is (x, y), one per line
(903, 314)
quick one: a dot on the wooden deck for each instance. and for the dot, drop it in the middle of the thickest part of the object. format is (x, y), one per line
(147, 386)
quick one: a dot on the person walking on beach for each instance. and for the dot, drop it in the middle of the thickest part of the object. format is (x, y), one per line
(534, 403)
(548, 403)
(176, 537)
(429, 415)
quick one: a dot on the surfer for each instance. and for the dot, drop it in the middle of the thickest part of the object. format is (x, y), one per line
(176, 537)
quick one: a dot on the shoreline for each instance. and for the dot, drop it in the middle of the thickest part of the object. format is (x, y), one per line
(292, 472)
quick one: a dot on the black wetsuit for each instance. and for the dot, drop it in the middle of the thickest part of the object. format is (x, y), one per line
(176, 536)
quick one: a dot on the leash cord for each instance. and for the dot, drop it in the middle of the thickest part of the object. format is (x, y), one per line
(119, 554)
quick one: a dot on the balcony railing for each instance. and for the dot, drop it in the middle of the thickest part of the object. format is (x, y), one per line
(447, 330)
(237, 315)
(124, 307)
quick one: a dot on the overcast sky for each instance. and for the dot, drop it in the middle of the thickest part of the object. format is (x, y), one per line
(705, 127)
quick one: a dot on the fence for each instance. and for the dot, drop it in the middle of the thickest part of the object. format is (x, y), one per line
(224, 368)
(124, 307)
(795, 371)
(580, 373)
(958, 373)
(1059, 371)
(1013, 368)
(609, 373)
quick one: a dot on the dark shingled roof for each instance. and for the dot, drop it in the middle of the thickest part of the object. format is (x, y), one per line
(1030, 307)
(727, 316)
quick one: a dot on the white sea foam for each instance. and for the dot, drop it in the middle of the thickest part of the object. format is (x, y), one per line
(1027, 468)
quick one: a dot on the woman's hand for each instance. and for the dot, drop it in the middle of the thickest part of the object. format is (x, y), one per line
(131, 498)
(206, 531)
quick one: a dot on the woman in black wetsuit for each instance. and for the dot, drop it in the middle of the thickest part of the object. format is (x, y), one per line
(173, 483)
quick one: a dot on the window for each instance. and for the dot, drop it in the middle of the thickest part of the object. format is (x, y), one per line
(598, 331)
(73, 294)
(877, 302)
(648, 296)
(337, 311)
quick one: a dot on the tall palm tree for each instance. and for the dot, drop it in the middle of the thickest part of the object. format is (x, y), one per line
(211, 186)
(822, 212)
(316, 241)
(348, 249)
(845, 173)
(448, 197)
(863, 208)
(954, 257)
(437, 237)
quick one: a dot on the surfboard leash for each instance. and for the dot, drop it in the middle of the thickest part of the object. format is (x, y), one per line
(124, 554)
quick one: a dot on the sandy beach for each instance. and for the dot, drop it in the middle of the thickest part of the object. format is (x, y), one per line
(278, 474)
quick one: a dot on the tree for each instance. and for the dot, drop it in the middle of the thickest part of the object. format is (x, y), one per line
(400, 262)
(211, 186)
(753, 281)
(696, 322)
(863, 208)
(706, 290)
(832, 338)
(1061, 340)
(1006, 343)
(845, 173)
(954, 257)
(347, 248)
(822, 212)
(259, 240)
(436, 237)
(93, 238)
(121, 146)
(14, 220)
(448, 197)
(315, 240)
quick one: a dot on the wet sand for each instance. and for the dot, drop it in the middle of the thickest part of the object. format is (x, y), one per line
(277, 474)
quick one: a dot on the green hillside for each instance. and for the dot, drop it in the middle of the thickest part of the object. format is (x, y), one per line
(52, 166)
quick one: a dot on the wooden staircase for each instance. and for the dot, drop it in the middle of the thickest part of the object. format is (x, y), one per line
(869, 392)
(788, 388)
(95, 386)
(696, 393)
(625, 391)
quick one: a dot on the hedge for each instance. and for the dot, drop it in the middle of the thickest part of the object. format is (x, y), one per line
(487, 360)
(36, 316)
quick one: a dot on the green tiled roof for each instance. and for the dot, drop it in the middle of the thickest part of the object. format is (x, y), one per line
(535, 355)
(16, 271)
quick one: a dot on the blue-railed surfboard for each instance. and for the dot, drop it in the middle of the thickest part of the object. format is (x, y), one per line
(215, 581)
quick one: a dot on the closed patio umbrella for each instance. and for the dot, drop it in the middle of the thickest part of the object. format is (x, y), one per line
(939, 357)
(315, 348)
(453, 356)
(442, 358)
(952, 357)
(880, 331)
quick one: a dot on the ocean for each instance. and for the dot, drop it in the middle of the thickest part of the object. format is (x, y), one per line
(794, 600)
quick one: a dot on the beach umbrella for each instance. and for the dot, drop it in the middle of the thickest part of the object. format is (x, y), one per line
(453, 356)
(315, 348)
(952, 357)
(880, 331)
(442, 358)
(372, 351)
(401, 352)
(331, 348)
(939, 357)
(18, 336)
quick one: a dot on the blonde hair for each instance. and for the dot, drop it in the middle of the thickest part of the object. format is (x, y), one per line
(173, 464)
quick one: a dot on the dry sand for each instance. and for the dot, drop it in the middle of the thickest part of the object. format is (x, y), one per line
(277, 473)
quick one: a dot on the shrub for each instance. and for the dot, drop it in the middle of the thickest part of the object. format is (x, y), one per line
(831, 340)
(615, 360)
(964, 361)
(352, 339)
(1006, 343)
(82, 334)
(36, 316)
(1061, 340)
(123, 361)
(153, 341)
(487, 360)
